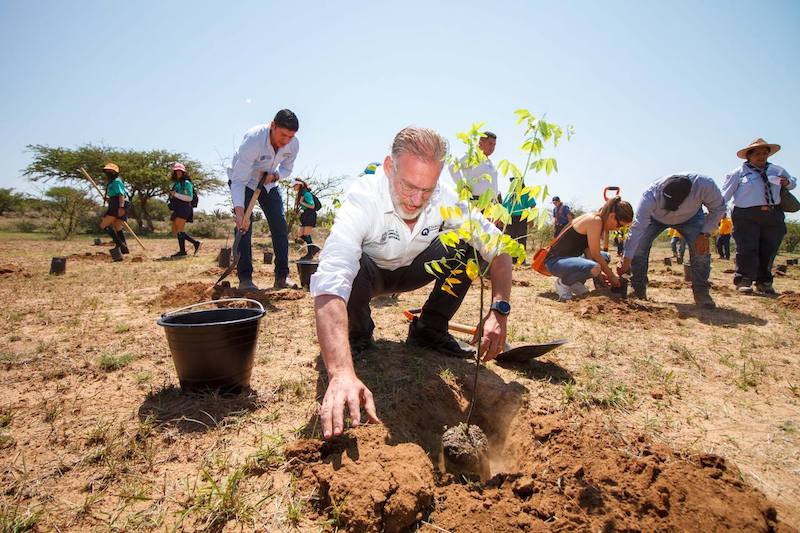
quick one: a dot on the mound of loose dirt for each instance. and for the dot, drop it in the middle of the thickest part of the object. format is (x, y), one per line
(90, 256)
(11, 269)
(614, 308)
(790, 300)
(564, 477)
(375, 487)
(190, 292)
(264, 296)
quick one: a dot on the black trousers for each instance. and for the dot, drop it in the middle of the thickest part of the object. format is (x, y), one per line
(758, 235)
(372, 281)
(518, 230)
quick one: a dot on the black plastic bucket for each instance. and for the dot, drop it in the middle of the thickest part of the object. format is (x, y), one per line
(98, 242)
(224, 260)
(305, 269)
(687, 272)
(116, 254)
(622, 290)
(58, 265)
(213, 348)
(268, 258)
(668, 261)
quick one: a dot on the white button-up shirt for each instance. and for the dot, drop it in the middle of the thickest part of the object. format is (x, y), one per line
(256, 156)
(476, 176)
(368, 223)
(747, 189)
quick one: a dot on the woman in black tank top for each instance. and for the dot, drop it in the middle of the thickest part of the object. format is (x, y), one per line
(575, 257)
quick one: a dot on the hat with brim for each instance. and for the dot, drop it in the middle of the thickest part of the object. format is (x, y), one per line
(298, 182)
(112, 167)
(178, 166)
(758, 143)
(675, 191)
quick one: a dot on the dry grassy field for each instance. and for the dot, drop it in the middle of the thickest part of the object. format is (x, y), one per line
(655, 416)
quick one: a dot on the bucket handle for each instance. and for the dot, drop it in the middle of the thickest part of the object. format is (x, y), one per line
(222, 300)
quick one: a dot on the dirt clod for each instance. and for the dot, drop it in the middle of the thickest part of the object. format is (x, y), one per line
(790, 300)
(11, 269)
(466, 452)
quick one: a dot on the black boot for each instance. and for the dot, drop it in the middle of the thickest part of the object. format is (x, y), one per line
(114, 237)
(124, 243)
(194, 242)
(181, 246)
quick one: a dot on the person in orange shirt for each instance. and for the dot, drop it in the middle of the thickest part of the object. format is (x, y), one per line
(724, 237)
(677, 243)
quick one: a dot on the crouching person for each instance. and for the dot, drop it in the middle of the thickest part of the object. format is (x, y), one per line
(385, 231)
(576, 255)
(675, 201)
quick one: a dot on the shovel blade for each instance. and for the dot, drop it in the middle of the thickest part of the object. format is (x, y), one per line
(235, 254)
(521, 354)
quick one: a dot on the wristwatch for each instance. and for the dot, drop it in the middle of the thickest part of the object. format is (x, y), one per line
(501, 306)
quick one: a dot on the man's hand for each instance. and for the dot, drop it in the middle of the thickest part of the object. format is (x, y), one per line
(701, 246)
(272, 177)
(614, 280)
(350, 391)
(494, 335)
(242, 224)
(625, 267)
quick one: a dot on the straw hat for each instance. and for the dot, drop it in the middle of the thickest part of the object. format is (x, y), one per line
(112, 167)
(758, 143)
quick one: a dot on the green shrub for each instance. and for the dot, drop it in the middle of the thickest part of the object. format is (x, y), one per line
(792, 238)
(209, 227)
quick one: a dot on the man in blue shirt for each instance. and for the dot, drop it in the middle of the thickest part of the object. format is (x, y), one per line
(758, 220)
(562, 215)
(675, 201)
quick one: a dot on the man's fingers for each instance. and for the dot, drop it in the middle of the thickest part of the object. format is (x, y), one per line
(369, 406)
(354, 408)
(338, 414)
(326, 419)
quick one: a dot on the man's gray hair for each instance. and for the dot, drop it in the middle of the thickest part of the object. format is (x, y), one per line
(423, 143)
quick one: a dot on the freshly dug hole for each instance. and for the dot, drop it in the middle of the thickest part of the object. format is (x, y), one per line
(466, 452)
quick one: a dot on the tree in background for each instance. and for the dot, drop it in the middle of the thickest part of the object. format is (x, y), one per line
(10, 201)
(70, 210)
(145, 173)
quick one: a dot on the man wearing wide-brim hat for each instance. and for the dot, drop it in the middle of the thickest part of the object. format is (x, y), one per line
(758, 220)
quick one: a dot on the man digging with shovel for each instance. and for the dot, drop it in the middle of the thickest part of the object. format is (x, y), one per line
(384, 233)
(267, 150)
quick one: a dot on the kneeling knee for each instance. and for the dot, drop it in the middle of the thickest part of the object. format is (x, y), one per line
(596, 271)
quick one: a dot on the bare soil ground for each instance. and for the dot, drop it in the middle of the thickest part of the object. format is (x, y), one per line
(655, 416)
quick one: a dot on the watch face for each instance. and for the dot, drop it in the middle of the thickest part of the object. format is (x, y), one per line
(502, 307)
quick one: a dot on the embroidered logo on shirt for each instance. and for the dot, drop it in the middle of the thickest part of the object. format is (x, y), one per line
(429, 229)
(390, 234)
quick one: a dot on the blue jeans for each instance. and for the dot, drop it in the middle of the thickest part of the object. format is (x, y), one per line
(573, 269)
(691, 229)
(678, 244)
(724, 246)
(272, 205)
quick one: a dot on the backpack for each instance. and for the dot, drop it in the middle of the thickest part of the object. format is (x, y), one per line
(317, 203)
(195, 198)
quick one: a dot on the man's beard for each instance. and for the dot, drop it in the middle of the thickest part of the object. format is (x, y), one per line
(405, 215)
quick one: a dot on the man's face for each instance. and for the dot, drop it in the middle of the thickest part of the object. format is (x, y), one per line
(758, 156)
(557, 203)
(412, 182)
(487, 144)
(280, 137)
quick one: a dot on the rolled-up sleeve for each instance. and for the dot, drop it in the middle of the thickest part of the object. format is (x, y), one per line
(340, 259)
(242, 167)
(730, 185)
(644, 213)
(714, 202)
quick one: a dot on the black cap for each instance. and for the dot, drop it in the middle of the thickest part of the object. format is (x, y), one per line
(556, 199)
(675, 191)
(489, 134)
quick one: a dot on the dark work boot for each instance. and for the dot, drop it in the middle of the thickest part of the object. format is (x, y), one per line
(436, 340)
(703, 299)
(124, 243)
(640, 293)
(114, 237)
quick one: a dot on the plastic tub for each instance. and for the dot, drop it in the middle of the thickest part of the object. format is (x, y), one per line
(305, 269)
(213, 348)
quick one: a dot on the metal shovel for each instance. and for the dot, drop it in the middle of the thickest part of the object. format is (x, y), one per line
(510, 354)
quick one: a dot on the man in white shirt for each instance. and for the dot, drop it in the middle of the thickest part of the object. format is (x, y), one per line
(483, 176)
(271, 149)
(384, 233)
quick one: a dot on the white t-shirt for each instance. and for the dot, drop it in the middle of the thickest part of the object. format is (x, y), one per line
(368, 223)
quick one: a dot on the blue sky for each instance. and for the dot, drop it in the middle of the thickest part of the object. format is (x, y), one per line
(651, 87)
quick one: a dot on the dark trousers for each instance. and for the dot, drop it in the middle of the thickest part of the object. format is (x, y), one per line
(372, 281)
(518, 230)
(724, 246)
(758, 235)
(272, 206)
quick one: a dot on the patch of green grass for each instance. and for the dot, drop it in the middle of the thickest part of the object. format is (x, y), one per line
(6, 416)
(98, 434)
(595, 388)
(292, 387)
(6, 441)
(15, 520)
(8, 358)
(142, 378)
(685, 354)
(121, 328)
(749, 375)
(445, 373)
(217, 503)
(788, 427)
(110, 362)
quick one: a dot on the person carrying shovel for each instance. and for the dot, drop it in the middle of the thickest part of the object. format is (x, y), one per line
(675, 201)
(267, 150)
(384, 233)
(117, 212)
